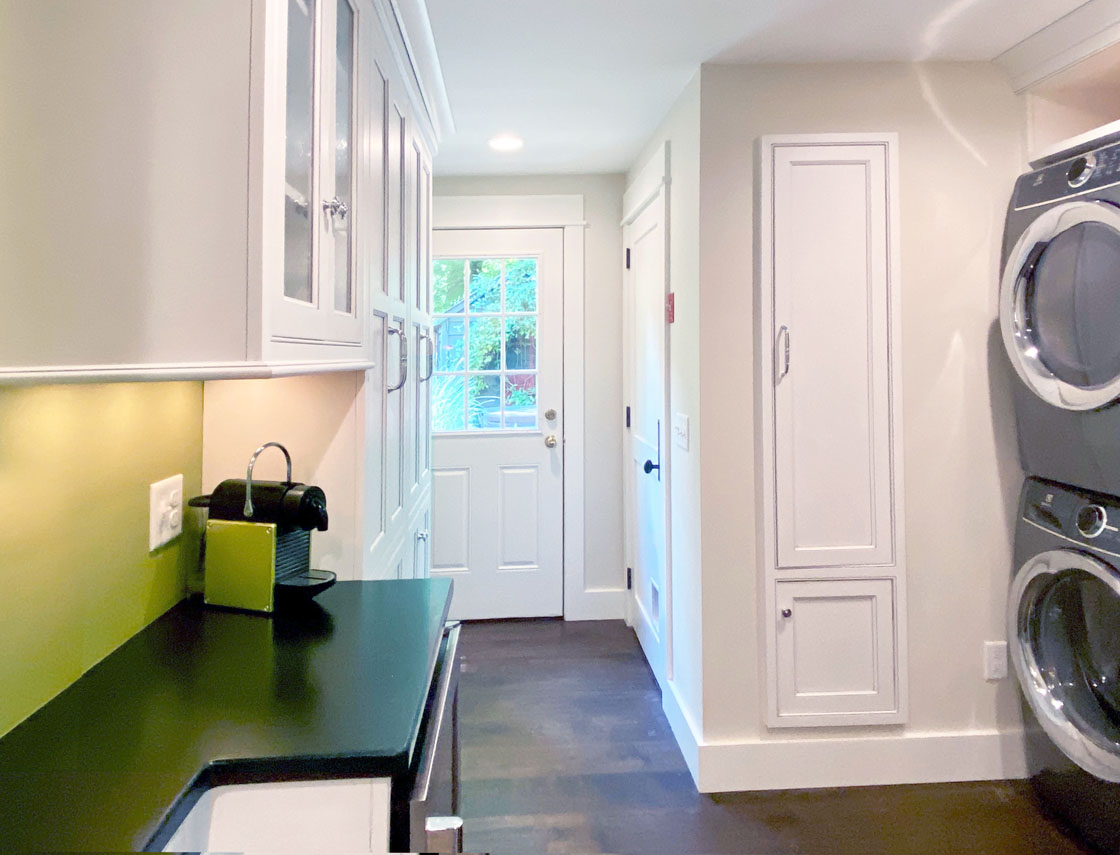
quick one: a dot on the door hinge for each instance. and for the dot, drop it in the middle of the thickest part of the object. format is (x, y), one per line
(670, 308)
(628, 258)
(629, 578)
(627, 416)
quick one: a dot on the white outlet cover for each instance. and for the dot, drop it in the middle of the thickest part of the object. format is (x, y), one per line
(680, 430)
(995, 660)
(165, 511)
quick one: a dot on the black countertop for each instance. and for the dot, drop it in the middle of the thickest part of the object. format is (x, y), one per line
(204, 697)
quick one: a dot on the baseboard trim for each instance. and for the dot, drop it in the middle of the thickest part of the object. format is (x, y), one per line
(596, 604)
(683, 730)
(905, 758)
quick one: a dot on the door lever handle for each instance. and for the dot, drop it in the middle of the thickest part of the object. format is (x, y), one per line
(651, 467)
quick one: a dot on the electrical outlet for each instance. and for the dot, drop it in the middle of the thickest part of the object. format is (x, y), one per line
(995, 660)
(165, 511)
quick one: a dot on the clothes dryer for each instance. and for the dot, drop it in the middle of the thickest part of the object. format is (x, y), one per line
(1060, 315)
(1063, 632)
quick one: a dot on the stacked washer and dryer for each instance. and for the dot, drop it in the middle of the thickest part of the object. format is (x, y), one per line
(1060, 321)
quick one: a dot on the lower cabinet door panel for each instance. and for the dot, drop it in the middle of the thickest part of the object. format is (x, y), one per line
(836, 653)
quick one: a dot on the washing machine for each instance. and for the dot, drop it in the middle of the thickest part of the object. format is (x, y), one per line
(1063, 631)
(1060, 315)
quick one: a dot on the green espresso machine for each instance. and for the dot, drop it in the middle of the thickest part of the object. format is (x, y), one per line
(258, 541)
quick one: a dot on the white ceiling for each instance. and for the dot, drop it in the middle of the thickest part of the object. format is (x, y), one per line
(586, 82)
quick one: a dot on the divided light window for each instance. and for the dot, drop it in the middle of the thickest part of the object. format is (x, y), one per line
(486, 344)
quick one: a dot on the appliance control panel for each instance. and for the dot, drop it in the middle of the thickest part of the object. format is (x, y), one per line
(1079, 515)
(1073, 177)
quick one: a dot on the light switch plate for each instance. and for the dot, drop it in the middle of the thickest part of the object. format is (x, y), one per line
(165, 511)
(680, 430)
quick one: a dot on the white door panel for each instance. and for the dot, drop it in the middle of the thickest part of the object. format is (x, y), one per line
(832, 407)
(497, 485)
(646, 343)
(836, 647)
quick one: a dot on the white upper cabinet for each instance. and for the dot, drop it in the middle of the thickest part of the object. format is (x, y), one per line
(320, 182)
(208, 198)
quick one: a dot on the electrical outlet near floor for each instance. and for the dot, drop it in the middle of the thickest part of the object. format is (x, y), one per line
(995, 660)
(165, 511)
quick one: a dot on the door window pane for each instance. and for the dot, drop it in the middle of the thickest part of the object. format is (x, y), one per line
(521, 343)
(449, 284)
(485, 347)
(343, 166)
(448, 404)
(1073, 304)
(484, 404)
(521, 285)
(299, 142)
(450, 344)
(486, 285)
(486, 340)
(520, 401)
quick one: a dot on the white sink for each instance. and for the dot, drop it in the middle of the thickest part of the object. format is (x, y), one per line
(348, 816)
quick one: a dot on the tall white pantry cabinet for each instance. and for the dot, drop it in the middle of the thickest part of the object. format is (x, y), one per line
(832, 551)
(226, 189)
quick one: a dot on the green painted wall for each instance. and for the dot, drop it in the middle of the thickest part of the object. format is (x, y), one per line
(76, 577)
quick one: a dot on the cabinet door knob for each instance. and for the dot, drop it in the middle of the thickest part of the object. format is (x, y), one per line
(787, 612)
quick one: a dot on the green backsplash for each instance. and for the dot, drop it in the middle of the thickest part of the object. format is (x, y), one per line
(76, 577)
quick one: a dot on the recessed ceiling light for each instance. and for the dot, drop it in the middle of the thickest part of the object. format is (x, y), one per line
(506, 142)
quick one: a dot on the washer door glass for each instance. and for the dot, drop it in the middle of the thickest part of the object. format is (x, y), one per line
(1065, 615)
(1060, 305)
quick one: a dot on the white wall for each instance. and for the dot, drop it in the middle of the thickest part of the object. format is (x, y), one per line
(316, 419)
(603, 559)
(961, 147)
(681, 129)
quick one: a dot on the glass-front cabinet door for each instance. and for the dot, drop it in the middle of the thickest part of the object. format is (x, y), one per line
(321, 135)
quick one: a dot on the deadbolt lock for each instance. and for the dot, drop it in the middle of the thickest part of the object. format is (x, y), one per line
(550, 414)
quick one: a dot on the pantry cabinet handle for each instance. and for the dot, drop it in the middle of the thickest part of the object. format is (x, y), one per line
(403, 360)
(783, 336)
(429, 355)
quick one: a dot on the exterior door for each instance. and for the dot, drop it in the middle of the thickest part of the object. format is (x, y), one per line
(497, 420)
(648, 458)
(1059, 305)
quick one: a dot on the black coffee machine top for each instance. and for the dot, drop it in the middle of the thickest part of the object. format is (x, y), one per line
(287, 503)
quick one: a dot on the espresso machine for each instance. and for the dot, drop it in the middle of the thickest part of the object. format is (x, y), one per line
(257, 546)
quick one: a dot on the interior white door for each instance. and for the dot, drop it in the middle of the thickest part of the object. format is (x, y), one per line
(648, 458)
(497, 418)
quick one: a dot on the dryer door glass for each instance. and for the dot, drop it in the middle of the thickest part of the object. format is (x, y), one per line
(1073, 304)
(1068, 661)
(1060, 305)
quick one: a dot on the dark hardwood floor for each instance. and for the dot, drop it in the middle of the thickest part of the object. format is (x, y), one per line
(565, 749)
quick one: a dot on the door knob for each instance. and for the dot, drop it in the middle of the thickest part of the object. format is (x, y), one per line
(550, 441)
(651, 466)
(787, 612)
